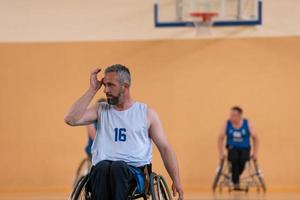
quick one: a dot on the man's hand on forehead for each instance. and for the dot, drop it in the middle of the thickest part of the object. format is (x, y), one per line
(95, 84)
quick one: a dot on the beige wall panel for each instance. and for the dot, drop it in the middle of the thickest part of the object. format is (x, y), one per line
(191, 83)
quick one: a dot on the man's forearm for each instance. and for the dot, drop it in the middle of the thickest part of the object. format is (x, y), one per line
(255, 145)
(78, 108)
(171, 164)
(220, 145)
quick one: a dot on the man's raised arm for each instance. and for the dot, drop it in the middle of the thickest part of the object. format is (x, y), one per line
(79, 113)
(167, 153)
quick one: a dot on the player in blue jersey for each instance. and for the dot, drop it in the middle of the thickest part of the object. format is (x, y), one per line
(238, 132)
(125, 131)
(91, 131)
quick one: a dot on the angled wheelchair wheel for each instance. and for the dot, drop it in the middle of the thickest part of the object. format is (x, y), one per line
(260, 176)
(218, 175)
(159, 188)
(262, 182)
(75, 185)
(82, 170)
(165, 188)
(79, 192)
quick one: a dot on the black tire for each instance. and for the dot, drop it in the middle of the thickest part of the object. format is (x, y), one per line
(82, 170)
(216, 181)
(218, 175)
(75, 186)
(80, 193)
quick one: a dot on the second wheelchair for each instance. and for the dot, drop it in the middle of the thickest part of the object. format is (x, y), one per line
(252, 177)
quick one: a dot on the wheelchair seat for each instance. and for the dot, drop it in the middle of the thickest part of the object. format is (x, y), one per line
(133, 192)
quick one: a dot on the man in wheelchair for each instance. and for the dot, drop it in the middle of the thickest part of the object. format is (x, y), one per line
(237, 131)
(123, 142)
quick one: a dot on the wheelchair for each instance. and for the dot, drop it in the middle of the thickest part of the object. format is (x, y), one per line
(82, 170)
(252, 177)
(155, 188)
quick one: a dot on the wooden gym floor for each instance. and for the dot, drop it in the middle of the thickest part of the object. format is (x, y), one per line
(189, 196)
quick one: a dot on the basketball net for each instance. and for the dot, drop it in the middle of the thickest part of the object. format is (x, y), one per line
(203, 21)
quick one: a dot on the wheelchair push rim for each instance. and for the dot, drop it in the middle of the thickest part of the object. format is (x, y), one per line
(159, 188)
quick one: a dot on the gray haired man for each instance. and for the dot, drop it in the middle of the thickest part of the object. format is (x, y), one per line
(123, 143)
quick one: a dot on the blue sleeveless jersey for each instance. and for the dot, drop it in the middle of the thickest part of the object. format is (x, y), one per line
(238, 138)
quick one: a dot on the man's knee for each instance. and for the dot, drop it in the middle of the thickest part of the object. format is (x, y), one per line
(102, 164)
(244, 160)
(118, 168)
(245, 157)
(233, 160)
(99, 179)
(101, 167)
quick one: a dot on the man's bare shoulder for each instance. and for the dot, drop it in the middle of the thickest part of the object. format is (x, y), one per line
(152, 112)
(152, 116)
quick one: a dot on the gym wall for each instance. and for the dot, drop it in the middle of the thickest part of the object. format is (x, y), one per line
(191, 83)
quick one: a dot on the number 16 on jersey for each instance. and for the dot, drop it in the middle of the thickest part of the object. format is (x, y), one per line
(120, 134)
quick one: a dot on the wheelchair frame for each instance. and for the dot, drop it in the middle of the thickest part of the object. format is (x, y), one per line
(155, 187)
(251, 177)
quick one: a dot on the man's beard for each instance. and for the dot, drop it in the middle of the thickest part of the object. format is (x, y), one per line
(113, 100)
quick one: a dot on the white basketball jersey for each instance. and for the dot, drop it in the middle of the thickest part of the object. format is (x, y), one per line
(122, 135)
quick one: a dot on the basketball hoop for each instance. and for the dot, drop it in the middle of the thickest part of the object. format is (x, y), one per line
(203, 20)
